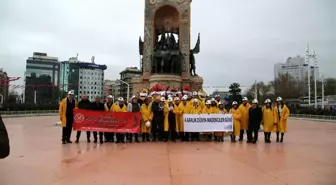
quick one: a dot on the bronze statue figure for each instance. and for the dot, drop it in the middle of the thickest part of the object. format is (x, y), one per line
(166, 57)
(192, 57)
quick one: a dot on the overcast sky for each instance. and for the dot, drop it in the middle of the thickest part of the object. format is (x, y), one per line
(241, 40)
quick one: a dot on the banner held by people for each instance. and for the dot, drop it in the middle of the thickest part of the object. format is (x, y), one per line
(208, 122)
(101, 121)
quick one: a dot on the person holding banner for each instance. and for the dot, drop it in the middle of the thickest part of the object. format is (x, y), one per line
(98, 106)
(219, 136)
(282, 114)
(208, 110)
(255, 119)
(66, 108)
(108, 106)
(183, 108)
(269, 120)
(171, 118)
(195, 109)
(84, 104)
(244, 110)
(120, 107)
(134, 106)
(146, 119)
(236, 115)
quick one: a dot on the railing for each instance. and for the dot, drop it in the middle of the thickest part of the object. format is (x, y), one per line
(305, 116)
(29, 112)
(309, 116)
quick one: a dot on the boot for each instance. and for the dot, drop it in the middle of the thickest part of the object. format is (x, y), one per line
(282, 135)
(265, 136)
(241, 135)
(233, 138)
(136, 138)
(64, 142)
(147, 137)
(77, 140)
(277, 134)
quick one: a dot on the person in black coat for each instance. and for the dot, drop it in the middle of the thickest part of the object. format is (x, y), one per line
(4, 140)
(84, 104)
(255, 119)
(98, 106)
(158, 118)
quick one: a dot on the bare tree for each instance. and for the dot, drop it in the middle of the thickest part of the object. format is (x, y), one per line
(287, 87)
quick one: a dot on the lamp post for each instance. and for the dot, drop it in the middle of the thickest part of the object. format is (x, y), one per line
(322, 79)
(128, 88)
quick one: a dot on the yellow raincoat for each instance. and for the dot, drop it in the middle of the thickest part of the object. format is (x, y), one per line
(178, 116)
(236, 115)
(209, 110)
(282, 122)
(244, 110)
(106, 107)
(146, 114)
(165, 117)
(194, 110)
(269, 118)
(182, 109)
(116, 108)
(62, 110)
(201, 103)
(220, 134)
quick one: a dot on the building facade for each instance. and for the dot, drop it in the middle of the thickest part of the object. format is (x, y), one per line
(3, 86)
(42, 77)
(296, 67)
(127, 76)
(83, 78)
(109, 88)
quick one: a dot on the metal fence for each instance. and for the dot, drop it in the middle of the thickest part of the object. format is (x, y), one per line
(304, 116)
(29, 112)
(309, 116)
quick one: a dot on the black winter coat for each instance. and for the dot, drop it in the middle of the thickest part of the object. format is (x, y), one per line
(4, 140)
(255, 117)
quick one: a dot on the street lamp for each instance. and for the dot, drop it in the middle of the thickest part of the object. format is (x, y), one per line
(128, 88)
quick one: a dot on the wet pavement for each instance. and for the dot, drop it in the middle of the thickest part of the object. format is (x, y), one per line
(307, 157)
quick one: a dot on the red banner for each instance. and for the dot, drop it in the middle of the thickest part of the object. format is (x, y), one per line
(102, 121)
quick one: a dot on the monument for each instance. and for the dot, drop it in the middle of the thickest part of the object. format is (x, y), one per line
(166, 55)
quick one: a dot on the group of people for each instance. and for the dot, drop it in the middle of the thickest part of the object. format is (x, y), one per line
(162, 118)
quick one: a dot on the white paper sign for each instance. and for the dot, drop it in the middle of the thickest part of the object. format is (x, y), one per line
(208, 122)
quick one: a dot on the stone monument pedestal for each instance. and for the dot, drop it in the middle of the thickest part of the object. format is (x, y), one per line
(173, 81)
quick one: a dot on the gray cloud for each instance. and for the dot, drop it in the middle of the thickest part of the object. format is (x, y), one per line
(240, 40)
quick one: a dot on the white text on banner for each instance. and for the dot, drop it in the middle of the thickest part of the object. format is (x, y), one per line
(208, 122)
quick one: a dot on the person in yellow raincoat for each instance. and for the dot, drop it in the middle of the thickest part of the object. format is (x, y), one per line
(178, 113)
(172, 122)
(200, 101)
(146, 116)
(217, 99)
(244, 122)
(183, 108)
(108, 106)
(269, 120)
(66, 108)
(120, 107)
(219, 136)
(282, 114)
(208, 110)
(236, 115)
(195, 109)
